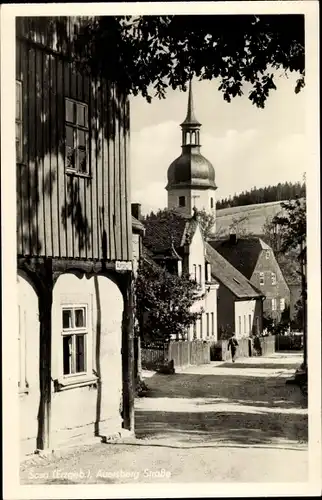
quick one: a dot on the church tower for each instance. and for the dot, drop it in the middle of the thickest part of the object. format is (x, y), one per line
(191, 177)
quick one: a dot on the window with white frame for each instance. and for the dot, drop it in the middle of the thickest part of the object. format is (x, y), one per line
(208, 325)
(239, 325)
(282, 304)
(75, 340)
(76, 136)
(267, 254)
(273, 304)
(19, 137)
(261, 278)
(194, 272)
(245, 324)
(273, 276)
(212, 324)
(250, 323)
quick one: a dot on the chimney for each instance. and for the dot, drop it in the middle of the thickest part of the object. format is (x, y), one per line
(233, 238)
(136, 210)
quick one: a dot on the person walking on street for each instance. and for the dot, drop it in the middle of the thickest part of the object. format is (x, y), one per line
(232, 345)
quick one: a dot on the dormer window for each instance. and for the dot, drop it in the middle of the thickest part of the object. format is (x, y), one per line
(182, 201)
(261, 279)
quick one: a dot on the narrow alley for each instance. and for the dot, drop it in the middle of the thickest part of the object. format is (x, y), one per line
(220, 422)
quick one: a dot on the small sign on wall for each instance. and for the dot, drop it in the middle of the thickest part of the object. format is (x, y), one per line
(123, 265)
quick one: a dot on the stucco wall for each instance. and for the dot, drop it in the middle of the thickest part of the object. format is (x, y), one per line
(209, 302)
(278, 291)
(248, 311)
(200, 198)
(29, 361)
(197, 256)
(75, 409)
(211, 308)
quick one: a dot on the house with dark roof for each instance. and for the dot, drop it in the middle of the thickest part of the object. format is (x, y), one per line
(174, 241)
(239, 304)
(256, 261)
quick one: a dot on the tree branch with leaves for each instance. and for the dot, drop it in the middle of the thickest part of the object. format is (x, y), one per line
(163, 304)
(148, 54)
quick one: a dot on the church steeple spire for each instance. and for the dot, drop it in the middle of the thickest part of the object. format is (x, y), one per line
(190, 119)
(190, 127)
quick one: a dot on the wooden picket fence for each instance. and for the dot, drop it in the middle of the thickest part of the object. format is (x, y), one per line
(181, 352)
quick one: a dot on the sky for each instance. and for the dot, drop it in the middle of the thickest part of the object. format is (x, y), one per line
(246, 145)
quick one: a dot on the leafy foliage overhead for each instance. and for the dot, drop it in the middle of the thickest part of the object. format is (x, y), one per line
(156, 52)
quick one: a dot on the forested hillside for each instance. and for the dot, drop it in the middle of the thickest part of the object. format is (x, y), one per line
(282, 191)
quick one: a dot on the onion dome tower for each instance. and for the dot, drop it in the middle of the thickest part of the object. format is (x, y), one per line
(191, 177)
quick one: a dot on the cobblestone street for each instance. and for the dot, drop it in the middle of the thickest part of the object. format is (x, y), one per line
(221, 422)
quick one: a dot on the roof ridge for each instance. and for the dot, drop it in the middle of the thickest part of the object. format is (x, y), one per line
(227, 267)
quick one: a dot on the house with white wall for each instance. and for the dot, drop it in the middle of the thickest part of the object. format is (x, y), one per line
(175, 241)
(240, 303)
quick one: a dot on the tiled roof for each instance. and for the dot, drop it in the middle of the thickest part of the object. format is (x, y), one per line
(171, 230)
(148, 259)
(137, 225)
(230, 277)
(243, 254)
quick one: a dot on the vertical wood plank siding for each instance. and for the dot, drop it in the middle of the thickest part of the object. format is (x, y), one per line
(59, 214)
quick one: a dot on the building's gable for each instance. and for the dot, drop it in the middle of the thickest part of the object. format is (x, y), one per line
(197, 256)
(267, 267)
(229, 276)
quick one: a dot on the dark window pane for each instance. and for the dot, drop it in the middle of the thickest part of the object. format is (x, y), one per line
(69, 111)
(67, 354)
(80, 320)
(80, 353)
(70, 153)
(69, 137)
(67, 318)
(81, 115)
(81, 138)
(82, 160)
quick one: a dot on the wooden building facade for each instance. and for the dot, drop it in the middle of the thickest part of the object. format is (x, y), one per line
(74, 238)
